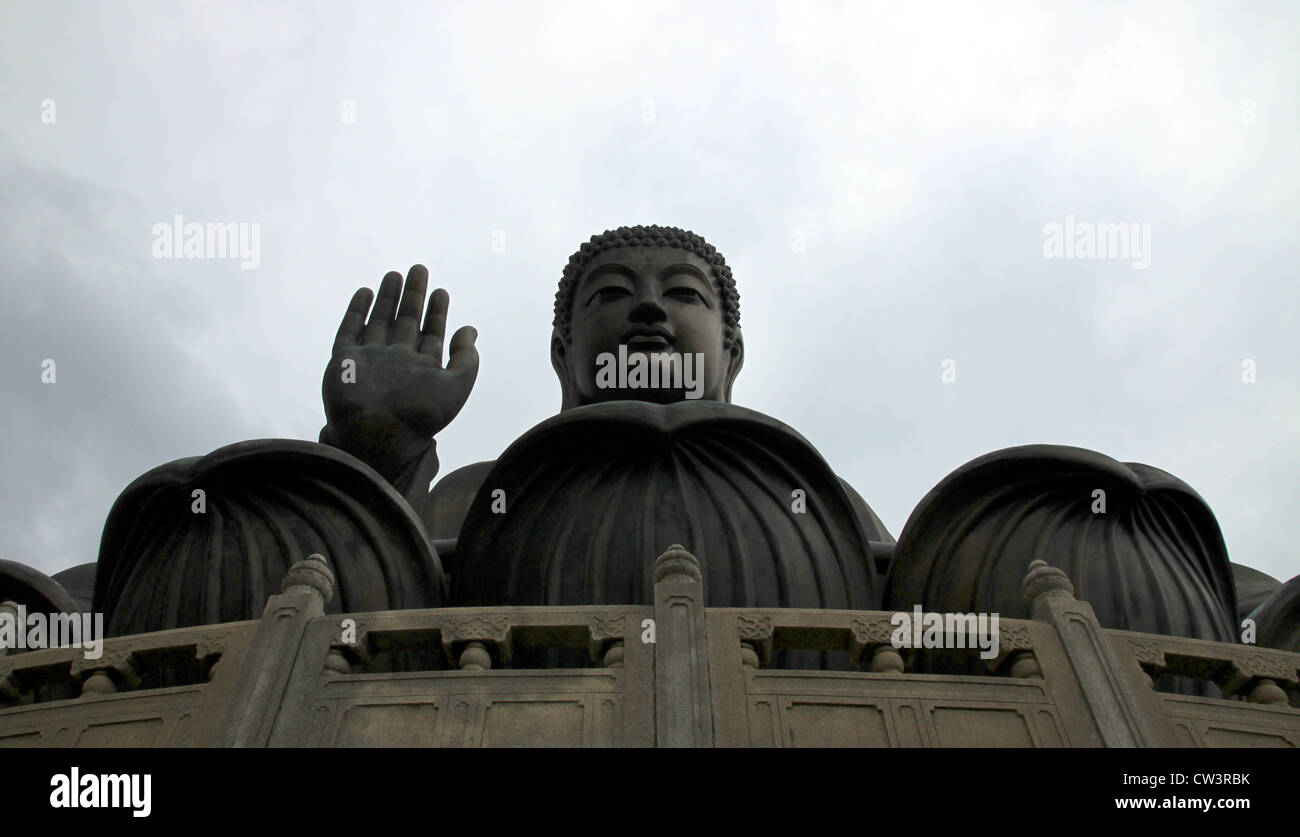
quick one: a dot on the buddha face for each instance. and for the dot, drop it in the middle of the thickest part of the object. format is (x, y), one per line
(653, 301)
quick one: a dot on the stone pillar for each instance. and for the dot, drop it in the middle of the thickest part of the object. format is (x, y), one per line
(264, 674)
(683, 711)
(1103, 677)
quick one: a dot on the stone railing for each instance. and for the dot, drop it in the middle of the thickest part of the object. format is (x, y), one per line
(1266, 679)
(672, 674)
(151, 689)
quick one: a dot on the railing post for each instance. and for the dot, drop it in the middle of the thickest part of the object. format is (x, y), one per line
(683, 709)
(471, 642)
(1122, 716)
(272, 649)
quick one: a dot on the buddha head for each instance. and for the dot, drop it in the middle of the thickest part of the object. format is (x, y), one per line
(657, 296)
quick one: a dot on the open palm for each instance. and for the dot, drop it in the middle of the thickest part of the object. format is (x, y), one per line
(396, 393)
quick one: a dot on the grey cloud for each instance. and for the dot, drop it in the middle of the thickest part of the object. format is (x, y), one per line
(919, 155)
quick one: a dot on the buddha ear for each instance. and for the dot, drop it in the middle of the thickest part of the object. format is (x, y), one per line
(560, 361)
(734, 363)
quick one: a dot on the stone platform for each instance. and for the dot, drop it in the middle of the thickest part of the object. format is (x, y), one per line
(447, 677)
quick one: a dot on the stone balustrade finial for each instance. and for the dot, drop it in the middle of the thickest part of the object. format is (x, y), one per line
(312, 575)
(1045, 581)
(676, 564)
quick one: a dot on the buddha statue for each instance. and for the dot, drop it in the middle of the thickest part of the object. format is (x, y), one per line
(575, 510)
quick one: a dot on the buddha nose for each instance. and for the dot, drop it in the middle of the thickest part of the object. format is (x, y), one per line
(649, 305)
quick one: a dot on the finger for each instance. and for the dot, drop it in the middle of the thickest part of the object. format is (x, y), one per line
(463, 357)
(435, 325)
(382, 315)
(354, 320)
(406, 329)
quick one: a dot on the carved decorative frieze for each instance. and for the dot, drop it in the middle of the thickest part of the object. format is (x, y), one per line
(604, 633)
(755, 628)
(605, 627)
(211, 643)
(873, 630)
(870, 632)
(756, 632)
(1147, 653)
(1013, 638)
(482, 628)
(480, 632)
(1261, 665)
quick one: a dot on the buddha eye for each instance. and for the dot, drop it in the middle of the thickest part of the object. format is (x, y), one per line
(689, 294)
(609, 293)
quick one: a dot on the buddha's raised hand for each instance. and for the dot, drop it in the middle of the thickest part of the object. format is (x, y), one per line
(386, 390)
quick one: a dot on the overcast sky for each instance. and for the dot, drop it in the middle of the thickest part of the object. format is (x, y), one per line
(878, 177)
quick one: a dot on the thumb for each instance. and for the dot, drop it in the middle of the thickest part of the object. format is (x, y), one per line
(463, 356)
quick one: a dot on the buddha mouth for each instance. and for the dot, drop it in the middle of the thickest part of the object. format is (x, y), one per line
(647, 339)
